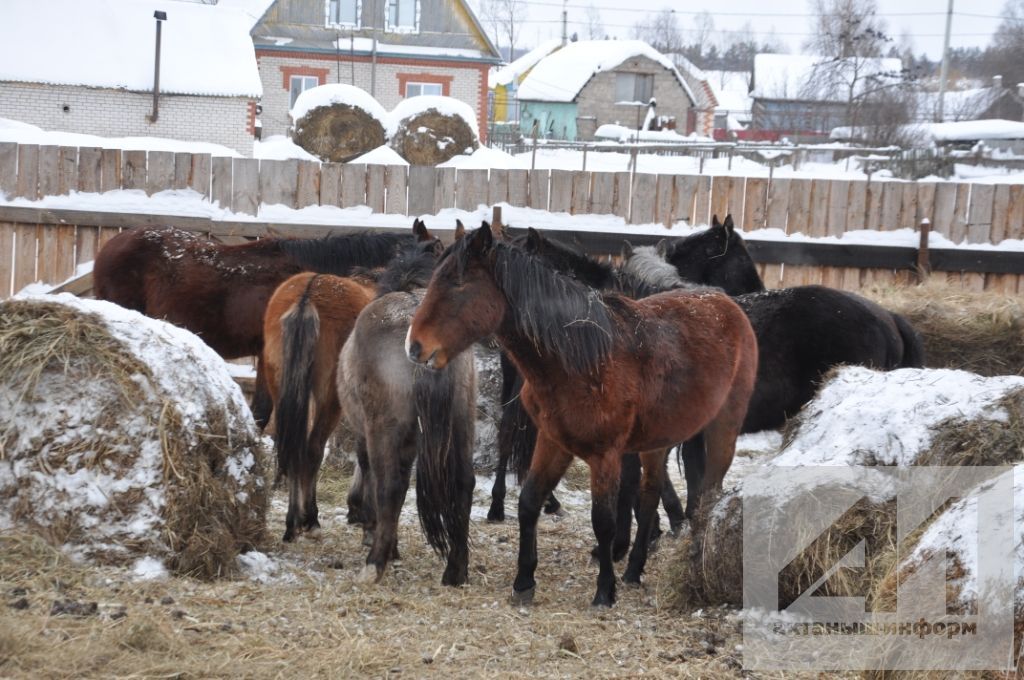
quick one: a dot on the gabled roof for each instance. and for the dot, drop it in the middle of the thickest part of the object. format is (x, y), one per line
(519, 67)
(731, 88)
(205, 50)
(966, 104)
(560, 76)
(801, 77)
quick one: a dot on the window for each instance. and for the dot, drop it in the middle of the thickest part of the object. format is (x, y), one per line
(401, 15)
(634, 87)
(343, 12)
(416, 89)
(300, 84)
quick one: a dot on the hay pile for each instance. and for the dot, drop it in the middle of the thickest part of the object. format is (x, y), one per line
(859, 418)
(978, 332)
(123, 437)
(430, 130)
(337, 123)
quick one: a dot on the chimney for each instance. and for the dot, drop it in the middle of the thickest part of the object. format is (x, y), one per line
(997, 82)
(160, 18)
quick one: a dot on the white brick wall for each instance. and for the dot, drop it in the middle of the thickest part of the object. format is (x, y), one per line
(465, 85)
(116, 113)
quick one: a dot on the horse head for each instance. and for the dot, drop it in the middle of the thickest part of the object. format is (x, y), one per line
(716, 257)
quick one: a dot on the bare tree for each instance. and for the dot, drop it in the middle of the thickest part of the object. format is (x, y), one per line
(661, 31)
(504, 18)
(1008, 43)
(703, 32)
(846, 28)
(593, 27)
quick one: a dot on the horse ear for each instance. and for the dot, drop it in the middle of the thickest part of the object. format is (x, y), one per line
(533, 240)
(419, 230)
(627, 250)
(481, 240)
(729, 225)
(460, 230)
(661, 248)
(715, 224)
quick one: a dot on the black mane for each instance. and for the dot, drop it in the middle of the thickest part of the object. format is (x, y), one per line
(339, 254)
(715, 257)
(410, 268)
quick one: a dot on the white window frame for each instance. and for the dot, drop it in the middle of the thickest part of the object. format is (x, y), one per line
(344, 24)
(401, 28)
(305, 85)
(422, 85)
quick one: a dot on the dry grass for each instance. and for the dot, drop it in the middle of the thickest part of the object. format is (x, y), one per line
(338, 133)
(978, 332)
(431, 137)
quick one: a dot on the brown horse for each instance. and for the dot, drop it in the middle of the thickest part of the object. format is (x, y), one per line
(603, 375)
(308, 319)
(219, 292)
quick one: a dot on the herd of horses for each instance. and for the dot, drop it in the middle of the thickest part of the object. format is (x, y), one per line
(678, 346)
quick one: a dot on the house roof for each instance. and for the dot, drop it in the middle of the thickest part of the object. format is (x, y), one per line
(731, 88)
(960, 104)
(519, 67)
(560, 76)
(802, 77)
(697, 80)
(205, 49)
(252, 9)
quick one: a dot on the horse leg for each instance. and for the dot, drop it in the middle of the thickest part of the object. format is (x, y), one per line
(456, 571)
(651, 484)
(628, 483)
(549, 463)
(605, 470)
(670, 500)
(693, 455)
(496, 513)
(326, 421)
(358, 507)
(389, 492)
(262, 402)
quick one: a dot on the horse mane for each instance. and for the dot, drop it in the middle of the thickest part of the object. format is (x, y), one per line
(558, 314)
(410, 268)
(339, 253)
(646, 266)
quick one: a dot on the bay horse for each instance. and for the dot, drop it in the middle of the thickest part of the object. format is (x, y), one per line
(307, 320)
(220, 292)
(603, 375)
(404, 413)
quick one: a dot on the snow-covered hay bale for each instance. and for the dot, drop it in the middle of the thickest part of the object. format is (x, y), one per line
(338, 122)
(860, 417)
(122, 437)
(981, 332)
(429, 130)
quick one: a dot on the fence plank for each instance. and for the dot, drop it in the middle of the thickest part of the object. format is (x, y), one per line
(353, 185)
(6, 258)
(892, 203)
(561, 191)
(664, 205)
(330, 183)
(24, 255)
(539, 180)
(580, 201)
(27, 185)
(1000, 214)
(856, 205)
(497, 186)
(778, 204)
(199, 179)
(308, 190)
(958, 228)
(772, 276)
(8, 172)
(278, 182)
(519, 188)
(220, 181)
(133, 169)
(375, 187)
(701, 202)
(470, 189)
(873, 205)
(421, 190)
(755, 204)
(159, 171)
(908, 207)
(925, 203)
(65, 253)
(111, 178)
(721, 187)
(979, 214)
(182, 170)
(67, 170)
(107, 233)
(838, 198)
(245, 185)
(444, 188)
(602, 193)
(684, 188)
(49, 170)
(645, 187)
(86, 244)
(799, 206)
(817, 222)
(944, 208)
(90, 169)
(1015, 217)
(394, 185)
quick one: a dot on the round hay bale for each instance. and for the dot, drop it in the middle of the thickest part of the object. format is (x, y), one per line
(430, 130)
(981, 332)
(337, 123)
(123, 437)
(859, 418)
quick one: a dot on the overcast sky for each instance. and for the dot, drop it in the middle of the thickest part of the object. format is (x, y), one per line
(923, 21)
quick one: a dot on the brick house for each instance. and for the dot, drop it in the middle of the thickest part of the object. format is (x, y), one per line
(588, 83)
(92, 71)
(393, 49)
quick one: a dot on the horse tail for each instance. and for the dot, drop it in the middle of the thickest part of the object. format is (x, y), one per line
(444, 466)
(517, 434)
(300, 329)
(913, 346)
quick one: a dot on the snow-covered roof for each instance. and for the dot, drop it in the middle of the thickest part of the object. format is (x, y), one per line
(366, 45)
(511, 72)
(252, 9)
(973, 130)
(337, 93)
(816, 78)
(731, 88)
(704, 95)
(560, 76)
(205, 49)
(959, 104)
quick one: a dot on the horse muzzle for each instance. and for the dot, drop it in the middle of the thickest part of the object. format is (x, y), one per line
(417, 354)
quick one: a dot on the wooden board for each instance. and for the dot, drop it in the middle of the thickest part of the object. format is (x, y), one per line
(199, 180)
(353, 185)
(395, 189)
(1000, 213)
(27, 185)
(602, 193)
(1015, 212)
(925, 203)
(755, 204)
(856, 206)
(873, 205)
(86, 244)
(277, 182)
(539, 189)
(580, 202)
(664, 212)
(375, 187)
(685, 188)
(979, 213)
(64, 265)
(308, 190)
(245, 185)
(623, 193)
(818, 210)
(958, 228)
(497, 186)
(330, 183)
(645, 187)
(561, 191)
(90, 169)
(444, 188)
(421, 190)
(8, 171)
(701, 202)
(6, 258)
(133, 169)
(49, 170)
(519, 188)
(107, 233)
(182, 170)
(892, 203)
(908, 209)
(67, 171)
(778, 204)
(799, 206)
(111, 178)
(220, 181)
(838, 197)
(24, 255)
(944, 208)
(159, 171)
(470, 189)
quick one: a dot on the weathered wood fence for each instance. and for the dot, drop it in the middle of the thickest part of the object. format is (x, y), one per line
(43, 249)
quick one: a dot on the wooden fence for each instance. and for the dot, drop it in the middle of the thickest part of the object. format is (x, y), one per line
(38, 248)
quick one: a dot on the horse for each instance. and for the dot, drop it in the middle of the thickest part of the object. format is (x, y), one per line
(404, 413)
(307, 320)
(716, 257)
(220, 292)
(603, 375)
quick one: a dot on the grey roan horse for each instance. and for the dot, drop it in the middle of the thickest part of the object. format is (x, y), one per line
(404, 413)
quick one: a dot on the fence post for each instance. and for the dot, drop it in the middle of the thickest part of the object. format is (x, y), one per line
(924, 265)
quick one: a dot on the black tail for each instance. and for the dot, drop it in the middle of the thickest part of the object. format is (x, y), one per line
(913, 346)
(444, 464)
(517, 435)
(300, 329)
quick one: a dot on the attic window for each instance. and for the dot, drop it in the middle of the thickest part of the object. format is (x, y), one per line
(634, 87)
(403, 16)
(343, 13)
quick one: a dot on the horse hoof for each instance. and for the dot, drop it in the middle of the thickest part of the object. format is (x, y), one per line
(314, 534)
(603, 600)
(631, 580)
(369, 574)
(455, 579)
(496, 516)
(522, 598)
(289, 536)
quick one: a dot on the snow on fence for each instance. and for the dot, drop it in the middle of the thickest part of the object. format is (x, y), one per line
(49, 251)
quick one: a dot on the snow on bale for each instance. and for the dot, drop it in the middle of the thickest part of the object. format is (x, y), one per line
(429, 130)
(338, 122)
(124, 437)
(860, 417)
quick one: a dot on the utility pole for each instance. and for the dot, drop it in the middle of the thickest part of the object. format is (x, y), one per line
(944, 71)
(565, 22)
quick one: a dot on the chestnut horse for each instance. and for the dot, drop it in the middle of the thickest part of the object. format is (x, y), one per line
(603, 375)
(220, 292)
(307, 321)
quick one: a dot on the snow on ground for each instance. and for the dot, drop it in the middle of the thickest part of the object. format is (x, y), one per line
(23, 133)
